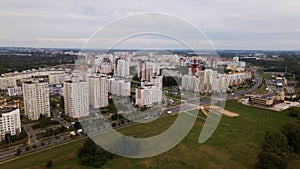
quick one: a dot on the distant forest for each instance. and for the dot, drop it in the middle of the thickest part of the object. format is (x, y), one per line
(16, 62)
(285, 60)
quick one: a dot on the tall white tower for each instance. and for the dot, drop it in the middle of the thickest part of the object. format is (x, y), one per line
(76, 97)
(98, 92)
(36, 99)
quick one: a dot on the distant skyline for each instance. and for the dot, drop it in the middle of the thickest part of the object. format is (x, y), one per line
(229, 24)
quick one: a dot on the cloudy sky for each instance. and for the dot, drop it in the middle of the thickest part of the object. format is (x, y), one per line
(229, 24)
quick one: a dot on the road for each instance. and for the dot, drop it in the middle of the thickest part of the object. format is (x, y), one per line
(11, 152)
(30, 132)
(258, 83)
(58, 118)
(40, 145)
(11, 156)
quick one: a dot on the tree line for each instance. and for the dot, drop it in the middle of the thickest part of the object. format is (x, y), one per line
(279, 148)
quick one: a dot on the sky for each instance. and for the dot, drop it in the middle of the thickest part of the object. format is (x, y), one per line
(228, 24)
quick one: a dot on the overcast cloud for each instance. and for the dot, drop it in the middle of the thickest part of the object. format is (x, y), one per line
(230, 24)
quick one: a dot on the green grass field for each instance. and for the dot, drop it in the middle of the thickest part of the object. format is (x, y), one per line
(262, 89)
(234, 144)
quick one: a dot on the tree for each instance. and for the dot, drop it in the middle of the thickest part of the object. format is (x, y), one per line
(111, 106)
(77, 125)
(274, 152)
(44, 121)
(19, 151)
(136, 78)
(275, 142)
(27, 148)
(292, 133)
(49, 164)
(268, 160)
(93, 155)
(169, 81)
(22, 135)
(293, 112)
(8, 138)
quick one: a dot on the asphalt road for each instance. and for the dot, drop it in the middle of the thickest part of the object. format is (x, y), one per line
(30, 133)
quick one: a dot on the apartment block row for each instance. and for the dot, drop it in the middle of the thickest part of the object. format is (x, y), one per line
(210, 80)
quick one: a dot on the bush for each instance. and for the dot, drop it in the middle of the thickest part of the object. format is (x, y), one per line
(27, 148)
(122, 122)
(270, 160)
(49, 164)
(77, 125)
(293, 112)
(19, 151)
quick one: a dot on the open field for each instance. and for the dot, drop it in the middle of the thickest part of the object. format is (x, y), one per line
(64, 156)
(262, 90)
(234, 144)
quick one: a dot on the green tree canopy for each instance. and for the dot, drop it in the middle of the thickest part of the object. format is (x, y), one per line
(93, 155)
(292, 133)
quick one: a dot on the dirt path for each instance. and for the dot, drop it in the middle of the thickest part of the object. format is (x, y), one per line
(216, 109)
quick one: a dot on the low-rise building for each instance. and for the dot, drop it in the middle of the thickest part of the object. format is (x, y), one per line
(14, 91)
(262, 100)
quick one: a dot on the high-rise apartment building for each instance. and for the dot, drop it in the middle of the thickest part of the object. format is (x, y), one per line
(148, 95)
(36, 99)
(122, 68)
(119, 87)
(76, 97)
(157, 81)
(98, 92)
(148, 69)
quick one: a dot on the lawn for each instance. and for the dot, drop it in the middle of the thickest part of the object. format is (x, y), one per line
(63, 156)
(234, 144)
(262, 89)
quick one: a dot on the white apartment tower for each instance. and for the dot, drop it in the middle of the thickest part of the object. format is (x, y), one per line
(76, 97)
(98, 92)
(9, 122)
(157, 81)
(119, 87)
(122, 68)
(36, 99)
(148, 95)
(147, 69)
